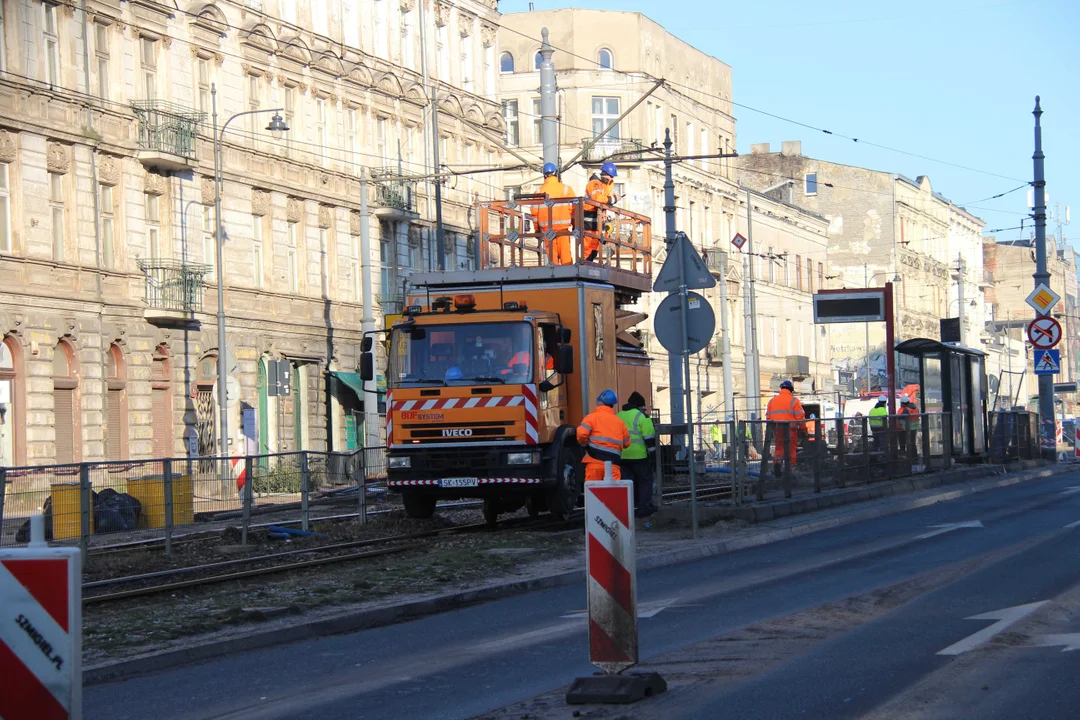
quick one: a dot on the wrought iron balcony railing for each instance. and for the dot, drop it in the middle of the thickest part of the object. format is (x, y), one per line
(616, 150)
(392, 191)
(174, 285)
(167, 127)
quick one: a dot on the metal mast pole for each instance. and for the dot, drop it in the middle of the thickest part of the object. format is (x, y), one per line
(960, 293)
(866, 329)
(725, 341)
(367, 322)
(222, 376)
(752, 346)
(549, 127)
(439, 235)
(675, 370)
(1046, 382)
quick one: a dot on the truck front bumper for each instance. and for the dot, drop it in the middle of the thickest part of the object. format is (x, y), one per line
(468, 471)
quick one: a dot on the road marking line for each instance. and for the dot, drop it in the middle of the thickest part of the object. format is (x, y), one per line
(949, 528)
(1005, 617)
(1071, 491)
(1071, 641)
(1072, 525)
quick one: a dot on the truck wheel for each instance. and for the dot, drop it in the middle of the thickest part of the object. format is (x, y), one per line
(417, 505)
(491, 511)
(534, 504)
(562, 499)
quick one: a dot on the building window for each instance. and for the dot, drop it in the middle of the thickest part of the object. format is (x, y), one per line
(605, 110)
(320, 128)
(148, 53)
(106, 209)
(324, 261)
(382, 147)
(11, 402)
(203, 90)
(380, 30)
(3, 42)
(320, 19)
(65, 404)
(703, 148)
(510, 116)
(52, 44)
(798, 272)
(352, 131)
(56, 207)
(209, 236)
(408, 33)
(116, 446)
(821, 276)
(101, 51)
(538, 59)
(289, 99)
(442, 52)
(810, 184)
(468, 67)
(288, 11)
(152, 209)
(506, 63)
(809, 275)
(603, 59)
(5, 208)
(489, 71)
(251, 104)
(292, 270)
(257, 250)
(538, 118)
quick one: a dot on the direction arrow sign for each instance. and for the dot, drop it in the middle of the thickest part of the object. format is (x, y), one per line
(1047, 362)
(1005, 618)
(695, 273)
(949, 528)
(1044, 333)
(1042, 299)
(1071, 641)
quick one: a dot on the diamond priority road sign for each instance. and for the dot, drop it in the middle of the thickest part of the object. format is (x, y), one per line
(1042, 299)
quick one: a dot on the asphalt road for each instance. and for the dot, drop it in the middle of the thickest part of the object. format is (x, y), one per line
(479, 659)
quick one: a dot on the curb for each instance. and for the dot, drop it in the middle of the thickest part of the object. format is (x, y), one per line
(347, 622)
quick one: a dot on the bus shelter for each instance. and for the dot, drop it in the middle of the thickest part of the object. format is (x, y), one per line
(952, 382)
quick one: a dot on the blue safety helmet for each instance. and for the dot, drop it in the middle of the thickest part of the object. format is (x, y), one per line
(550, 169)
(608, 168)
(786, 385)
(453, 373)
(609, 398)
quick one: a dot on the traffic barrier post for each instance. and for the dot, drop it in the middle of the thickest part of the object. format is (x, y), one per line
(611, 573)
(249, 466)
(40, 630)
(86, 508)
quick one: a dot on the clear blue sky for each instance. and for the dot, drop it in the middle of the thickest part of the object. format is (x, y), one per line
(953, 80)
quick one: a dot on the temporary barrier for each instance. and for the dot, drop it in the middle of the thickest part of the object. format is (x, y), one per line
(40, 631)
(612, 590)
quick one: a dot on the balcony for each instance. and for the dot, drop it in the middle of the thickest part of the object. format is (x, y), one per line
(167, 134)
(625, 150)
(173, 290)
(395, 198)
(714, 259)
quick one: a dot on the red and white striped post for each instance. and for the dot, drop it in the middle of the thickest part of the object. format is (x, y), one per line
(40, 630)
(612, 574)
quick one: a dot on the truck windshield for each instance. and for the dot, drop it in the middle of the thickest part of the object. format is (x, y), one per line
(465, 354)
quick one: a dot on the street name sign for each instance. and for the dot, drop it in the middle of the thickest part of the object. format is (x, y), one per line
(1042, 299)
(1044, 333)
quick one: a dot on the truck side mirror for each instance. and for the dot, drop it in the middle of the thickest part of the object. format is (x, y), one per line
(365, 344)
(564, 359)
(367, 365)
(564, 336)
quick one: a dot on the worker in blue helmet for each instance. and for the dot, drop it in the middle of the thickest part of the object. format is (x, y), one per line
(604, 437)
(453, 373)
(555, 218)
(600, 190)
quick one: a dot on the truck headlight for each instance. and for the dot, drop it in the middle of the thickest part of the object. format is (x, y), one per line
(400, 462)
(522, 458)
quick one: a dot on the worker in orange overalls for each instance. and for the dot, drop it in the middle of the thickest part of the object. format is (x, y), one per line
(556, 218)
(785, 412)
(600, 189)
(603, 435)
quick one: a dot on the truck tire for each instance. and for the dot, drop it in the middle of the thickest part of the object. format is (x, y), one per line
(418, 506)
(491, 511)
(562, 499)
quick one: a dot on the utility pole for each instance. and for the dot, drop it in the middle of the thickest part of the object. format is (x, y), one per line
(1048, 439)
(725, 341)
(960, 293)
(748, 331)
(439, 236)
(753, 388)
(675, 369)
(367, 321)
(549, 128)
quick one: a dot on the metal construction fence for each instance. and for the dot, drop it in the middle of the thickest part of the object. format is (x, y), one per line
(746, 460)
(139, 499)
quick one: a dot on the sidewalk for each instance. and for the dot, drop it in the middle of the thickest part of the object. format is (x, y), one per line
(666, 542)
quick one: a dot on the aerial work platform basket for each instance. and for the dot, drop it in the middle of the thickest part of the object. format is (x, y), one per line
(521, 233)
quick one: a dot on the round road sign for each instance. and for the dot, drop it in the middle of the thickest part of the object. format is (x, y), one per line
(699, 318)
(1044, 333)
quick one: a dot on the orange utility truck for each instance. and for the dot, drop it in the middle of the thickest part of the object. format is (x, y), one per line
(489, 373)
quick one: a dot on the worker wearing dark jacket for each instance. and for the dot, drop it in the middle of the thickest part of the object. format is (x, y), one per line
(638, 459)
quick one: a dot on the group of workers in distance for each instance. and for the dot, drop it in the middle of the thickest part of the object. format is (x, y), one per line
(627, 440)
(559, 217)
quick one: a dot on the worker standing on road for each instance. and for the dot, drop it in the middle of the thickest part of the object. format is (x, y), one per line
(638, 458)
(909, 424)
(603, 435)
(785, 411)
(879, 417)
(557, 217)
(602, 190)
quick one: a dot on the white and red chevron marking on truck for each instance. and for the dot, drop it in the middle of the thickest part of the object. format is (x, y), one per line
(527, 400)
(40, 627)
(612, 573)
(480, 481)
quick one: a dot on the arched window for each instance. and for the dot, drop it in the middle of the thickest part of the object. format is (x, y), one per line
(206, 406)
(603, 59)
(116, 445)
(506, 63)
(161, 415)
(537, 59)
(12, 402)
(66, 404)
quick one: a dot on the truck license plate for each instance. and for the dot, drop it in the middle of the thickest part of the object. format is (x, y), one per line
(459, 482)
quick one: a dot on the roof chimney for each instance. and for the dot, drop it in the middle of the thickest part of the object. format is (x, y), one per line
(791, 147)
(759, 149)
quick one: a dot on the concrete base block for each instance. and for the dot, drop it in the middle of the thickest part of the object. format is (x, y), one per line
(615, 689)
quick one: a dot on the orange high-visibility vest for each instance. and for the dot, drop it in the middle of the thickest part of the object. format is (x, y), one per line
(785, 407)
(557, 217)
(604, 435)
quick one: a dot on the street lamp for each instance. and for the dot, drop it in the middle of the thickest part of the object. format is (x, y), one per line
(277, 128)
